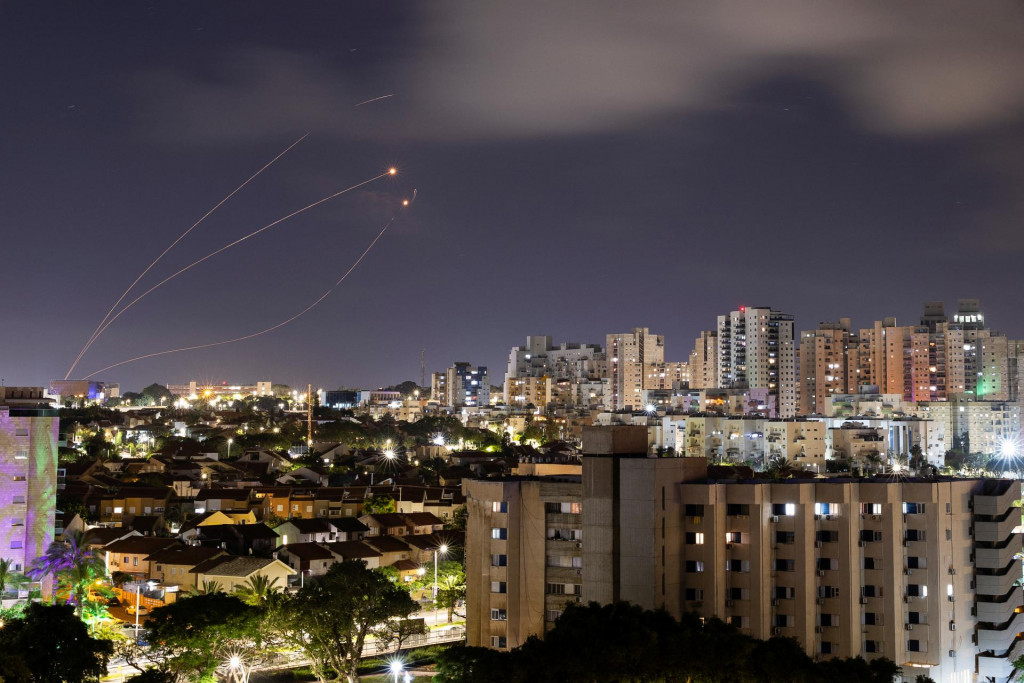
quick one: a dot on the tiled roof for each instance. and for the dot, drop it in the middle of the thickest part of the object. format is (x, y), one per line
(307, 551)
(233, 566)
(352, 550)
(138, 544)
(185, 554)
(388, 544)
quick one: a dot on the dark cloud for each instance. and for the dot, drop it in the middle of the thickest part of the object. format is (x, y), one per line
(535, 68)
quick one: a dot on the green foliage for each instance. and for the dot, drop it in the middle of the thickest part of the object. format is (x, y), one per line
(451, 588)
(381, 503)
(28, 646)
(157, 394)
(73, 564)
(622, 642)
(194, 636)
(329, 619)
(256, 590)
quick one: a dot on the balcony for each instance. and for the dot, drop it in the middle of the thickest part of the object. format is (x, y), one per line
(997, 530)
(993, 668)
(996, 558)
(995, 585)
(998, 640)
(996, 502)
(1001, 611)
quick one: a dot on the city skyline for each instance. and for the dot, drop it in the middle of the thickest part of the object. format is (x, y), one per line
(637, 182)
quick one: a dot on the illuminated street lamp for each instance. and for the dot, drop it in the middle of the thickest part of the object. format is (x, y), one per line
(396, 668)
(230, 441)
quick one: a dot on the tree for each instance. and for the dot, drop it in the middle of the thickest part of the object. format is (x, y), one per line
(256, 590)
(157, 394)
(8, 577)
(28, 645)
(73, 564)
(205, 588)
(195, 636)
(451, 589)
(329, 619)
(378, 504)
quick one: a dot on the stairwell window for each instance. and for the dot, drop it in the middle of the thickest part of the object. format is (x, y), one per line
(499, 533)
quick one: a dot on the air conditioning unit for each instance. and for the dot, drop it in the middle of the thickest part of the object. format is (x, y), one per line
(952, 598)
(821, 601)
(578, 544)
(860, 543)
(728, 603)
(952, 653)
(818, 629)
(908, 572)
(579, 572)
(952, 626)
(817, 544)
(952, 571)
(830, 517)
(773, 519)
(910, 627)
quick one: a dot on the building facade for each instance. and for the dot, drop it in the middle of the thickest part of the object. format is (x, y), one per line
(28, 476)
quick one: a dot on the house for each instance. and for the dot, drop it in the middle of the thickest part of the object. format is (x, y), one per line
(391, 548)
(99, 536)
(147, 525)
(275, 462)
(385, 524)
(225, 500)
(310, 559)
(190, 529)
(66, 523)
(131, 555)
(173, 565)
(423, 546)
(120, 508)
(357, 550)
(424, 522)
(350, 529)
(307, 531)
(240, 539)
(305, 475)
(230, 571)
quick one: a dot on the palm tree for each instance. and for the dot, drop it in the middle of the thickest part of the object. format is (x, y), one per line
(5, 575)
(450, 589)
(73, 564)
(256, 590)
(206, 588)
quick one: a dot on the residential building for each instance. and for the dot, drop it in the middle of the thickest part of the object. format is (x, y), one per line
(539, 358)
(523, 556)
(630, 355)
(466, 385)
(923, 572)
(704, 361)
(28, 475)
(824, 365)
(229, 571)
(756, 350)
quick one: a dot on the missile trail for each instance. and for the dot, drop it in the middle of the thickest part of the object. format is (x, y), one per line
(389, 172)
(279, 325)
(96, 333)
(382, 97)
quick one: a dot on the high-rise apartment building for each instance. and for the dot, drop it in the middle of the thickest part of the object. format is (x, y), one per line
(630, 355)
(923, 572)
(539, 358)
(466, 385)
(28, 474)
(523, 557)
(825, 365)
(756, 350)
(704, 361)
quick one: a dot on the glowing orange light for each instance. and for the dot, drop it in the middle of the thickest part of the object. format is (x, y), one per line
(392, 170)
(405, 202)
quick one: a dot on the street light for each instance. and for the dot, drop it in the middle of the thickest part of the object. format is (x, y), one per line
(442, 549)
(302, 576)
(396, 668)
(230, 441)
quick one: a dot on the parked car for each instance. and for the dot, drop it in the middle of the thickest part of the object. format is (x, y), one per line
(130, 609)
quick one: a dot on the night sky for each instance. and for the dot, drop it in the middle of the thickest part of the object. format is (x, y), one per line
(580, 168)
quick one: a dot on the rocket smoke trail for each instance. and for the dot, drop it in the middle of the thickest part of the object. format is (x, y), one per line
(389, 172)
(102, 326)
(279, 325)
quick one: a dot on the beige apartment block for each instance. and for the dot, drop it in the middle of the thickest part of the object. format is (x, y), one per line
(523, 557)
(824, 365)
(28, 476)
(704, 361)
(923, 572)
(629, 357)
